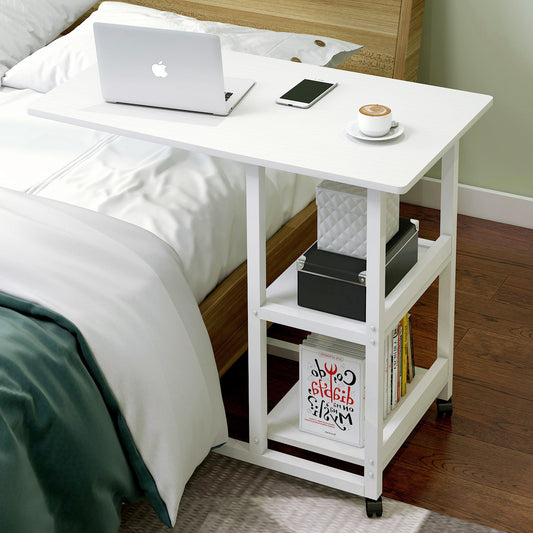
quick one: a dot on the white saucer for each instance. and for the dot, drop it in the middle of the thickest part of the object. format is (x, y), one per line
(353, 129)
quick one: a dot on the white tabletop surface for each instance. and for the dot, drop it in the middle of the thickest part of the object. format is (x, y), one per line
(308, 141)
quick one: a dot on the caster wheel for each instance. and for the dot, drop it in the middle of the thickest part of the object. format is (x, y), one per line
(374, 508)
(444, 408)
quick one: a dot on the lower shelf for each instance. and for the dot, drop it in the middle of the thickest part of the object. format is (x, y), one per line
(283, 427)
(283, 420)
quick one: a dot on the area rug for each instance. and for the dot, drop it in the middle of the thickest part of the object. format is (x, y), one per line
(229, 496)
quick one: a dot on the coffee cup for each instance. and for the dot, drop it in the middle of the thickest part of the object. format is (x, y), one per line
(374, 120)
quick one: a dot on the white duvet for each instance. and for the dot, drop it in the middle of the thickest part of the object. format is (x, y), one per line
(156, 354)
(124, 290)
(194, 202)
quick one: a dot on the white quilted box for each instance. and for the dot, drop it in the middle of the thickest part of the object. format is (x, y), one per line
(341, 218)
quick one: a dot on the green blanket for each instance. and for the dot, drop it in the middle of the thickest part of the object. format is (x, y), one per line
(62, 467)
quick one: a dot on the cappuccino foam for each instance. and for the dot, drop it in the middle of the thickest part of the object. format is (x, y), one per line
(375, 110)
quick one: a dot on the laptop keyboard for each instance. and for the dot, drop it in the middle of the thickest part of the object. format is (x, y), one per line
(227, 96)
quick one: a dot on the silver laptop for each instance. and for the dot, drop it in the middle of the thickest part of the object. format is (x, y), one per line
(165, 68)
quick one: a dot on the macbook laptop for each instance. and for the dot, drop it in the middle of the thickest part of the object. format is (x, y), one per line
(165, 68)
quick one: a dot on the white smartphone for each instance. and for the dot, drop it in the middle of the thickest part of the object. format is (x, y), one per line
(306, 93)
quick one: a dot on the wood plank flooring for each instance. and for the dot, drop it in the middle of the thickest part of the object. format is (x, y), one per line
(478, 464)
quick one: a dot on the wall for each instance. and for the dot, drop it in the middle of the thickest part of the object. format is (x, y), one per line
(486, 46)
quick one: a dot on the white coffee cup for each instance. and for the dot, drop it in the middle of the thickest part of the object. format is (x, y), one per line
(374, 120)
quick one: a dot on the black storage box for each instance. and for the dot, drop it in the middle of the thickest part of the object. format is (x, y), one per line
(335, 283)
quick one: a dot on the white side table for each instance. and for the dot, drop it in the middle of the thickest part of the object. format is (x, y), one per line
(314, 142)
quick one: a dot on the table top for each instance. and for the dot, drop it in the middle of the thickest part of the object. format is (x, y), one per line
(310, 141)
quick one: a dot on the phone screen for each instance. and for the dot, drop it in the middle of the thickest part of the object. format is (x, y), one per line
(307, 90)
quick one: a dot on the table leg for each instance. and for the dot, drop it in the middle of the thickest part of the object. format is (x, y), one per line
(375, 311)
(256, 272)
(448, 226)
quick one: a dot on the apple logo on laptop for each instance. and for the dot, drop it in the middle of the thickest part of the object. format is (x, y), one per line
(159, 70)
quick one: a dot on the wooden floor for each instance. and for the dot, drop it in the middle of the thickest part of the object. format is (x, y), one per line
(478, 464)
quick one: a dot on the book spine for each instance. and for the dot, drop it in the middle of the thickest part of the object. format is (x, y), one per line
(385, 377)
(389, 374)
(394, 380)
(405, 342)
(410, 351)
(400, 366)
(399, 359)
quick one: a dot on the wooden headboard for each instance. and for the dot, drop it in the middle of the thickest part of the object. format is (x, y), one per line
(390, 30)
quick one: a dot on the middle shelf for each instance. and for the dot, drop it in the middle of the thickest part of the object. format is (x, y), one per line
(281, 297)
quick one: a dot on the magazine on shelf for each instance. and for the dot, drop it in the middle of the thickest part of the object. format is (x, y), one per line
(332, 389)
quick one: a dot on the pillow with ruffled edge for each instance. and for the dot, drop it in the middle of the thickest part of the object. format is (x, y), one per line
(28, 25)
(67, 56)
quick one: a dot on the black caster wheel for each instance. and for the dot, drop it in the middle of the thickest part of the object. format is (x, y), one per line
(444, 408)
(374, 508)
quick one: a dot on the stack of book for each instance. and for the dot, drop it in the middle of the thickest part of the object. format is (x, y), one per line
(332, 385)
(332, 382)
(399, 364)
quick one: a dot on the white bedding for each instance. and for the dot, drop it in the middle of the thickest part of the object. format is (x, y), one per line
(194, 202)
(157, 357)
(29, 148)
(169, 397)
(155, 354)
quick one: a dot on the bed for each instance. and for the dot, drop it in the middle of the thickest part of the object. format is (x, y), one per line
(58, 176)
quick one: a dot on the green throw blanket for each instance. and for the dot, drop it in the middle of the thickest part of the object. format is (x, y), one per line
(62, 467)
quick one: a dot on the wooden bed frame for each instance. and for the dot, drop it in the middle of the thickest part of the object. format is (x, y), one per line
(390, 31)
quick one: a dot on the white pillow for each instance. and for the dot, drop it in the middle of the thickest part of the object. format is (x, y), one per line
(72, 53)
(27, 25)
